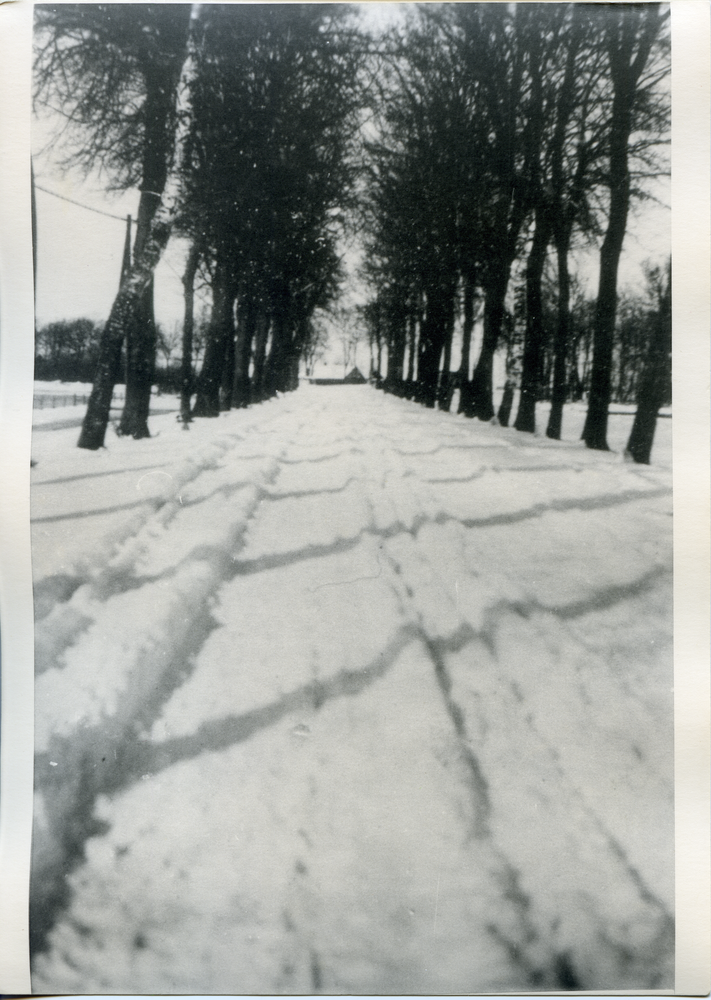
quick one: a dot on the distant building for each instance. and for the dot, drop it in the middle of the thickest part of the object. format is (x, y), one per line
(354, 377)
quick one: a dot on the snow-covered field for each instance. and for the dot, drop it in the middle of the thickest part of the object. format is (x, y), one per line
(339, 695)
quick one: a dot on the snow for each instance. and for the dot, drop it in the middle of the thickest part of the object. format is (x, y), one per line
(339, 695)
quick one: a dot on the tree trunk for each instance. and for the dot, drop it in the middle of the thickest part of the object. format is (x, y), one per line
(440, 301)
(126, 261)
(277, 367)
(246, 324)
(564, 217)
(228, 364)
(595, 430)
(258, 391)
(412, 347)
(560, 389)
(408, 388)
(125, 306)
(504, 414)
(140, 367)
(186, 370)
(478, 392)
(653, 383)
(622, 39)
(127, 301)
(468, 326)
(207, 401)
(396, 353)
(446, 384)
(141, 336)
(293, 371)
(533, 337)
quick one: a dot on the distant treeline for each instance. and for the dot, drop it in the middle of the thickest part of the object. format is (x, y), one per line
(68, 351)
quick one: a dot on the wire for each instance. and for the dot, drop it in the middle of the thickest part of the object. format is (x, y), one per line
(98, 211)
(120, 218)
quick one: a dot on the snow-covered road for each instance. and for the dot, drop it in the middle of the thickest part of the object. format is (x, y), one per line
(340, 695)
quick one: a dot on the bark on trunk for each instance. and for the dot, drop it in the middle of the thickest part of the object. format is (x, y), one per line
(258, 392)
(396, 355)
(408, 387)
(625, 74)
(228, 364)
(504, 414)
(141, 336)
(432, 338)
(653, 384)
(412, 347)
(126, 261)
(207, 401)
(560, 388)
(186, 370)
(293, 371)
(446, 383)
(278, 362)
(534, 336)
(595, 430)
(246, 324)
(478, 393)
(121, 316)
(468, 326)
(140, 366)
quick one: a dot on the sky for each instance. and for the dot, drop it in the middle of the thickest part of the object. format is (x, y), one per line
(80, 251)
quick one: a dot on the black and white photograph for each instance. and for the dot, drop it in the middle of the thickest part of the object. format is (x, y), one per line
(351, 499)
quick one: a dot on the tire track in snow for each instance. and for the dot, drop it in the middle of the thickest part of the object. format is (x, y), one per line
(66, 604)
(142, 759)
(542, 965)
(83, 746)
(53, 590)
(94, 742)
(545, 967)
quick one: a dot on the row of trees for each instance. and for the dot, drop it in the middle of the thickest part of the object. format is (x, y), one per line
(487, 135)
(267, 173)
(239, 124)
(638, 316)
(69, 349)
(506, 132)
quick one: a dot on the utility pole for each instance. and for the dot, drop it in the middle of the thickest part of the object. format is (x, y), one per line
(126, 262)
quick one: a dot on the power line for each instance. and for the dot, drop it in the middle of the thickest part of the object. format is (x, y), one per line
(98, 211)
(119, 218)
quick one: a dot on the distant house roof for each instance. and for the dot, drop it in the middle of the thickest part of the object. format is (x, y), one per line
(328, 376)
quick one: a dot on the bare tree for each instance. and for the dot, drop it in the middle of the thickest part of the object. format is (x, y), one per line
(630, 33)
(655, 380)
(112, 71)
